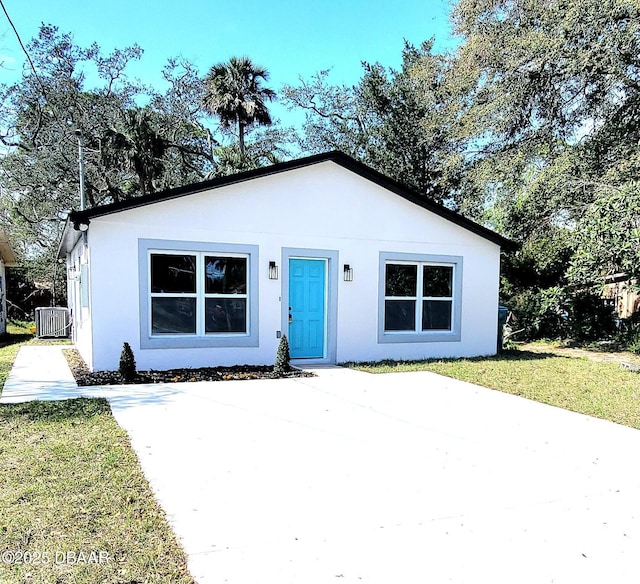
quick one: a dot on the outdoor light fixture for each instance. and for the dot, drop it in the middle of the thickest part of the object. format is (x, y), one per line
(83, 226)
(348, 273)
(273, 271)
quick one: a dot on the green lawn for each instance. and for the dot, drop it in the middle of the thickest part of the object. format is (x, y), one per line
(75, 506)
(589, 387)
(17, 335)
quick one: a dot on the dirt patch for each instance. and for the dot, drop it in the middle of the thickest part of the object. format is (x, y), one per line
(85, 377)
(583, 352)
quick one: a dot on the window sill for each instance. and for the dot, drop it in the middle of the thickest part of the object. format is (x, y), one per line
(414, 337)
(193, 342)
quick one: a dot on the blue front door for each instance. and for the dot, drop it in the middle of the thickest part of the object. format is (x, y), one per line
(306, 308)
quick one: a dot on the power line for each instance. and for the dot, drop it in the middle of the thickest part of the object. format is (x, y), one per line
(24, 50)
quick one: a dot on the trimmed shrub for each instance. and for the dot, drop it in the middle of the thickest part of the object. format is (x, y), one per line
(283, 357)
(127, 367)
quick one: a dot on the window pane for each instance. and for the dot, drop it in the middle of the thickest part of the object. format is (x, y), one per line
(399, 315)
(400, 280)
(173, 315)
(225, 315)
(173, 273)
(437, 281)
(225, 275)
(436, 315)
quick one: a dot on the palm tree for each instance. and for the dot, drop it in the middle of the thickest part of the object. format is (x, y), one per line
(136, 146)
(234, 92)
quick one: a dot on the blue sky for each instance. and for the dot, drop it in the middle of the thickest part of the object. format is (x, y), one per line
(291, 39)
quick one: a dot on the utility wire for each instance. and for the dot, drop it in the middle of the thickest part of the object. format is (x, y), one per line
(24, 50)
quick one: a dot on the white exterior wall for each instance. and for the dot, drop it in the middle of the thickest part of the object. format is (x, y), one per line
(78, 264)
(319, 207)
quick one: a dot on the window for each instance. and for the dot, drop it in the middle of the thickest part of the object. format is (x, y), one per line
(419, 298)
(225, 304)
(437, 297)
(197, 294)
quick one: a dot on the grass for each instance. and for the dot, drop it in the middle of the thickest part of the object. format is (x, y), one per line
(17, 335)
(598, 389)
(76, 508)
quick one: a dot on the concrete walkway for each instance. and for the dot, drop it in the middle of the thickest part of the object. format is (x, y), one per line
(39, 372)
(409, 477)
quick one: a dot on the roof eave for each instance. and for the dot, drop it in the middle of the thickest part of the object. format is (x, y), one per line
(84, 217)
(69, 238)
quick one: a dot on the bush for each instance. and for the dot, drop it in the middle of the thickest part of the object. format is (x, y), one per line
(629, 334)
(541, 313)
(561, 313)
(283, 357)
(589, 318)
(634, 344)
(127, 367)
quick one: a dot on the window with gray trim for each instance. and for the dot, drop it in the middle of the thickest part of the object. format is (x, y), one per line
(198, 293)
(420, 297)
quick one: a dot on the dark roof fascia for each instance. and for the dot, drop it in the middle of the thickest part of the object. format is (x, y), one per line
(79, 217)
(414, 197)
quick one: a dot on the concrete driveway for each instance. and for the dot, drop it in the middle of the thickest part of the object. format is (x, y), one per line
(408, 478)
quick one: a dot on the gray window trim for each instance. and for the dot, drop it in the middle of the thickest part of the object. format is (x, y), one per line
(331, 337)
(187, 342)
(454, 334)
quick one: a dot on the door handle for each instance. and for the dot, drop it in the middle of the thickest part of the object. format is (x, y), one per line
(290, 316)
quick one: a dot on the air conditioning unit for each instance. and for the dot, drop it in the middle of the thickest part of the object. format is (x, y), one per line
(52, 322)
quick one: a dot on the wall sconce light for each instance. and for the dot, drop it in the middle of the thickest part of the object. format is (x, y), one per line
(273, 271)
(348, 273)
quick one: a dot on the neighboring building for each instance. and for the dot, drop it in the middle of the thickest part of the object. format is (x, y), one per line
(7, 258)
(622, 295)
(348, 263)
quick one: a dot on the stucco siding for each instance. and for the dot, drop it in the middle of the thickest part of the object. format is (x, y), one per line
(321, 207)
(78, 267)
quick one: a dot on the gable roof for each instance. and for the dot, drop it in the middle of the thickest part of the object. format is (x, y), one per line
(77, 218)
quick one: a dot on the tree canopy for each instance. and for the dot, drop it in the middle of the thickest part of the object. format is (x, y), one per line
(135, 140)
(398, 121)
(234, 92)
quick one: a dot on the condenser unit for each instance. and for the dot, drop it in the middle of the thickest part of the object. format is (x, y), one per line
(52, 322)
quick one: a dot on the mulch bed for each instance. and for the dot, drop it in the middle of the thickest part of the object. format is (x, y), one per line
(85, 377)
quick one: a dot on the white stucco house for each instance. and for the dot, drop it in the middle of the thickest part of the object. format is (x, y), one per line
(346, 262)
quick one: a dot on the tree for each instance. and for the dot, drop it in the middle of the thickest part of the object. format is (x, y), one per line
(127, 364)
(128, 150)
(134, 144)
(608, 238)
(553, 95)
(335, 117)
(283, 357)
(190, 153)
(234, 92)
(553, 119)
(39, 167)
(412, 120)
(266, 146)
(399, 122)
